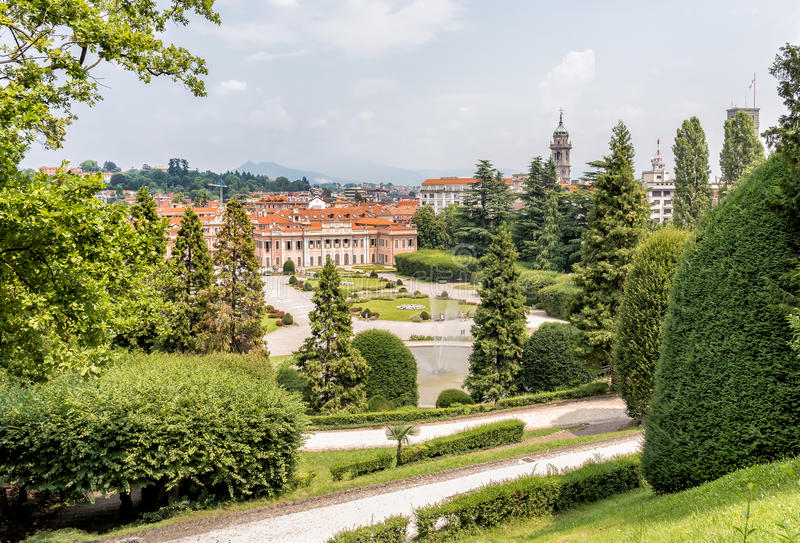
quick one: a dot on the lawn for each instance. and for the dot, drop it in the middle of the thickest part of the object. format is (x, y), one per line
(270, 324)
(388, 308)
(709, 513)
(352, 284)
(323, 483)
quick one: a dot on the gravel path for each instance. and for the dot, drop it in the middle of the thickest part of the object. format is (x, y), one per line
(561, 414)
(317, 524)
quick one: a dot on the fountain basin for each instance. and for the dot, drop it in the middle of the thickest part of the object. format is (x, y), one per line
(440, 365)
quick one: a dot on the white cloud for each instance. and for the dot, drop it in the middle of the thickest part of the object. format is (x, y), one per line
(577, 68)
(366, 116)
(370, 86)
(264, 56)
(284, 3)
(272, 114)
(231, 85)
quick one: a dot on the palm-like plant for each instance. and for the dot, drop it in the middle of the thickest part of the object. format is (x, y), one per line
(400, 433)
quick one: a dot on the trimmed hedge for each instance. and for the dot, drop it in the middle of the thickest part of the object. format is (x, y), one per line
(213, 425)
(393, 372)
(450, 396)
(480, 437)
(727, 385)
(391, 530)
(409, 414)
(378, 403)
(288, 267)
(547, 359)
(533, 281)
(435, 265)
(530, 496)
(560, 300)
(380, 462)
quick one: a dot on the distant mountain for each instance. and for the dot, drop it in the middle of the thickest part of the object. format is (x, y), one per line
(273, 170)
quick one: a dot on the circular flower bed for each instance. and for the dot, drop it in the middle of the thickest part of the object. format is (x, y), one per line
(411, 306)
(346, 282)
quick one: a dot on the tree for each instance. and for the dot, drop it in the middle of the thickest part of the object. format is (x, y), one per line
(548, 362)
(238, 293)
(641, 315)
(288, 267)
(547, 244)
(726, 383)
(201, 200)
(451, 218)
(335, 369)
(109, 166)
(573, 210)
(616, 222)
(89, 166)
(484, 208)
(190, 276)
(542, 180)
(741, 148)
(400, 433)
(499, 330)
(692, 197)
(431, 229)
(393, 368)
(151, 227)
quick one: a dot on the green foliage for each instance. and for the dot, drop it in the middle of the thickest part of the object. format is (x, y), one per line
(573, 208)
(431, 229)
(433, 265)
(164, 421)
(391, 530)
(89, 166)
(727, 386)
(379, 462)
(499, 328)
(408, 414)
(533, 281)
(451, 396)
(336, 370)
(531, 496)
(393, 369)
(293, 381)
(741, 149)
(548, 362)
(424, 315)
(373, 274)
(235, 321)
(615, 224)
(547, 244)
(641, 316)
(378, 403)
(484, 208)
(481, 437)
(692, 198)
(560, 300)
(541, 184)
(287, 319)
(288, 269)
(292, 279)
(307, 287)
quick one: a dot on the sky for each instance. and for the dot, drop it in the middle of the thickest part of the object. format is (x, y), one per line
(331, 85)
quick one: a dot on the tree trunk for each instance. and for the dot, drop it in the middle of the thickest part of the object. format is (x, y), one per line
(125, 506)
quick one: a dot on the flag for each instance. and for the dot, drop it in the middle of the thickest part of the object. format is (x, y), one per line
(753, 82)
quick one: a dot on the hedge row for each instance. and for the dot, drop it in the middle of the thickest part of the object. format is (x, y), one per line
(435, 265)
(481, 437)
(391, 530)
(560, 300)
(380, 462)
(411, 414)
(529, 496)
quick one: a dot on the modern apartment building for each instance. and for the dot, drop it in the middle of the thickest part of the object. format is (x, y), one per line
(660, 188)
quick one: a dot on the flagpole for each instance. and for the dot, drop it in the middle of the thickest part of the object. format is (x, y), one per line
(754, 89)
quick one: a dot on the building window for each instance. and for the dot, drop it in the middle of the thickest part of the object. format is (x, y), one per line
(372, 244)
(656, 193)
(410, 242)
(299, 245)
(267, 245)
(396, 245)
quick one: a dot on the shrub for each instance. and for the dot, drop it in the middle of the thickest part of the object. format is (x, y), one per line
(393, 373)
(288, 319)
(640, 317)
(424, 315)
(157, 421)
(376, 315)
(727, 385)
(293, 280)
(366, 313)
(270, 308)
(444, 294)
(279, 322)
(533, 281)
(435, 265)
(391, 530)
(547, 359)
(373, 274)
(529, 496)
(293, 381)
(402, 289)
(399, 282)
(559, 300)
(450, 396)
(379, 462)
(307, 287)
(288, 267)
(480, 437)
(378, 403)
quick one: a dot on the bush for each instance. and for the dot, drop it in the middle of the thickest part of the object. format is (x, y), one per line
(293, 381)
(727, 386)
(533, 281)
(376, 315)
(529, 496)
(444, 294)
(399, 282)
(379, 462)
(480, 437)
(424, 315)
(402, 289)
(279, 322)
(560, 300)
(393, 373)
(288, 319)
(378, 403)
(435, 265)
(293, 280)
(366, 313)
(307, 287)
(391, 530)
(640, 317)
(157, 421)
(450, 396)
(373, 274)
(270, 308)
(288, 267)
(547, 360)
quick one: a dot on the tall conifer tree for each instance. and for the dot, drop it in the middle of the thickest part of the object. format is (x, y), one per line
(150, 227)
(547, 244)
(741, 148)
(542, 180)
(238, 293)
(499, 331)
(616, 222)
(334, 367)
(692, 191)
(484, 208)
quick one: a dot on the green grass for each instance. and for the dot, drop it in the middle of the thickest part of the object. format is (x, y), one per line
(709, 513)
(375, 268)
(388, 308)
(323, 483)
(277, 359)
(360, 284)
(466, 287)
(270, 324)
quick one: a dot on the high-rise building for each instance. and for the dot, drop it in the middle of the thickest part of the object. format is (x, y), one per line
(660, 188)
(752, 111)
(559, 151)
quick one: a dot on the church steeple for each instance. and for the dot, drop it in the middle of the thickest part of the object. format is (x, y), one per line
(559, 150)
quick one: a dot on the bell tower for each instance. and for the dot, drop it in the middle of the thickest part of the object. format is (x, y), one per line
(559, 151)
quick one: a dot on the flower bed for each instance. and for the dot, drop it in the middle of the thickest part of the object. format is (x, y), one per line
(413, 307)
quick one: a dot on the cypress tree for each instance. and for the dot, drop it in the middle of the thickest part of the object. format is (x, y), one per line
(237, 295)
(741, 148)
(616, 222)
(692, 191)
(485, 206)
(150, 227)
(573, 209)
(336, 371)
(542, 180)
(190, 276)
(547, 244)
(500, 330)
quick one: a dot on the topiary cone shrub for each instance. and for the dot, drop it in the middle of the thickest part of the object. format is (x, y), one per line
(393, 373)
(288, 319)
(288, 267)
(727, 386)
